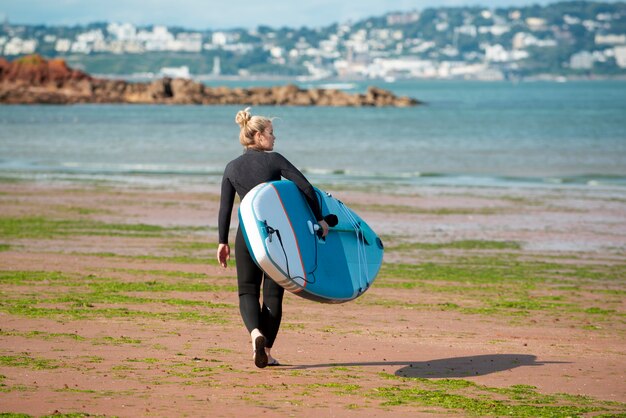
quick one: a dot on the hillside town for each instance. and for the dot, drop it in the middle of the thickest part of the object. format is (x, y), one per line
(563, 39)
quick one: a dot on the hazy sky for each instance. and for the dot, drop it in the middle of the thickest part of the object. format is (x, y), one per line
(211, 14)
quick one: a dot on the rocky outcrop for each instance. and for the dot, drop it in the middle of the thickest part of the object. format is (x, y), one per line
(36, 71)
(32, 79)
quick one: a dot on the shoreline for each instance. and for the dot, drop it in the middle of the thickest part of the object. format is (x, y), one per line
(388, 199)
(390, 181)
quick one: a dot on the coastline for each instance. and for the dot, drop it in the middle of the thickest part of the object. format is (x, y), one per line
(182, 177)
(282, 79)
(113, 288)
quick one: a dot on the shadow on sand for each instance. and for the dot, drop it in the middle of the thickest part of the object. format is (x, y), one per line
(448, 367)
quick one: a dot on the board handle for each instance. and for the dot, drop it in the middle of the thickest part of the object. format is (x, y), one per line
(331, 220)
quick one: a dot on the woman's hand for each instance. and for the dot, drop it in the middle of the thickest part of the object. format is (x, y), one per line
(324, 227)
(223, 254)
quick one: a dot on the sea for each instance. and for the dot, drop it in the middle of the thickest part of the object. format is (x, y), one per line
(467, 133)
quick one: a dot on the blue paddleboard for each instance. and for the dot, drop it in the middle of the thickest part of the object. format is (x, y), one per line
(280, 232)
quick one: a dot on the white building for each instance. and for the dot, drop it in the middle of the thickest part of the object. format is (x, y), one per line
(449, 51)
(497, 53)
(571, 20)
(63, 45)
(302, 45)
(418, 46)
(592, 25)
(392, 67)
(90, 37)
(316, 72)
(402, 18)
(132, 47)
(380, 34)
(468, 30)
(81, 48)
(536, 23)
(620, 56)
(495, 30)
(442, 26)
(159, 39)
(276, 51)
(611, 39)
(359, 36)
(120, 47)
(601, 56)
(349, 68)
(17, 46)
(462, 70)
(101, 46)
(84, 43)
(239, 48)
(122, 32)
(188, 42)
(329, 47)
(581, 61)
(357, 44)
(523, 40)
(223, 38)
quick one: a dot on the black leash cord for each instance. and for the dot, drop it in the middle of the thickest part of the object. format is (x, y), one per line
(271, 231)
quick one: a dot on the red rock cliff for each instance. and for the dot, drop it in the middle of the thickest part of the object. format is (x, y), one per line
(35, 70)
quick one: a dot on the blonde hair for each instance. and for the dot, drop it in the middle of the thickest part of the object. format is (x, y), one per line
(249, 125)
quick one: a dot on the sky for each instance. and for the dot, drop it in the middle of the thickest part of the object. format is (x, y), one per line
(212, 14)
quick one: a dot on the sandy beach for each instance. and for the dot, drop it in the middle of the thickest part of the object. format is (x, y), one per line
(490, 302)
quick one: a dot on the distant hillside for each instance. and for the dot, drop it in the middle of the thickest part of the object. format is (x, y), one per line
(574, 38)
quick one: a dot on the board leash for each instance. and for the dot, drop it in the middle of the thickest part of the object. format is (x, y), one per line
(270, 231)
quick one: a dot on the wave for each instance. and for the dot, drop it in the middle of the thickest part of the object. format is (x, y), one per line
(363, 173)
(467, 179)
(316, 174)
(578, 179)
(110, 168)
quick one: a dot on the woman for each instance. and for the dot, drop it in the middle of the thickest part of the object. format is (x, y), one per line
(257, 165)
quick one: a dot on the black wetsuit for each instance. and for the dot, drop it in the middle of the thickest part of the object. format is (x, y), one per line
(241, 175)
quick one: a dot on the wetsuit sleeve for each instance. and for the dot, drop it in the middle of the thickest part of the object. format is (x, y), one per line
(290, 172)
(227, 200)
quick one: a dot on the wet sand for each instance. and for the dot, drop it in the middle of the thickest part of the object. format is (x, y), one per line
(490, 300)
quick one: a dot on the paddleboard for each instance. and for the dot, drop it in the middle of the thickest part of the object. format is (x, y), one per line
(280, 231)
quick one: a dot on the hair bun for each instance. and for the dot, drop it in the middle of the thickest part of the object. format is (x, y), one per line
(243, 117)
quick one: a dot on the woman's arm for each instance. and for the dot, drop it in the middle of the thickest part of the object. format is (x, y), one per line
(290, 172)
(227, 200)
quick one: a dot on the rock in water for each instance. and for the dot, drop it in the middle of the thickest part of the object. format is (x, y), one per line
(33, 79)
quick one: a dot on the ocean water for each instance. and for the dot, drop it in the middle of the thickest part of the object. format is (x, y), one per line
(467, 133)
